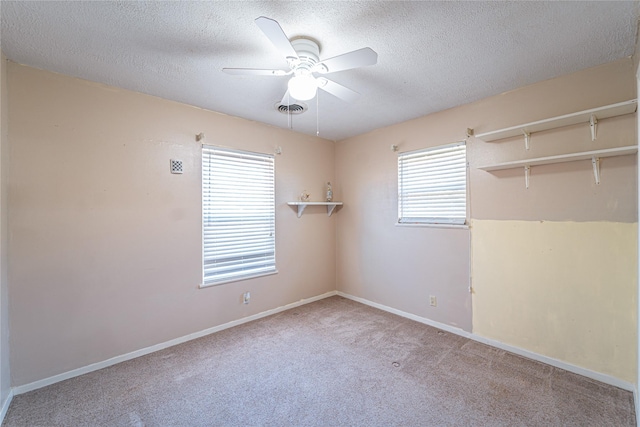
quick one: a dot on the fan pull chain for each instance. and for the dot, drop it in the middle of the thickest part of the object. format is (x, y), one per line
(318, 113)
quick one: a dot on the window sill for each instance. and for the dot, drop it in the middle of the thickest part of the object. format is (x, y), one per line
(458, 226)
(239, 279)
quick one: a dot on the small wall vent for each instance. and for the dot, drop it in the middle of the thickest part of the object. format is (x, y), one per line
(176, 166)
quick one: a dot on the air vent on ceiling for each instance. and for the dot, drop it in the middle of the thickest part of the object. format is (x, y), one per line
(292, 108)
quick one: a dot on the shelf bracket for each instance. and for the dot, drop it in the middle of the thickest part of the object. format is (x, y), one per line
(595, 161)
(527, 138)
(526, 176)
(301, 209)
(593, 124)
(330, 209)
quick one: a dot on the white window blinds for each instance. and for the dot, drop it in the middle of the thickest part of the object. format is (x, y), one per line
(432, 185)
(238, 214)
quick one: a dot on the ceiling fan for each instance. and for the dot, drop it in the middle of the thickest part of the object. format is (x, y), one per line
(303, 57)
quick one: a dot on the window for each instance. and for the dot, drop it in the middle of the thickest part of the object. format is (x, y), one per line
(238, 215)
(432, 185)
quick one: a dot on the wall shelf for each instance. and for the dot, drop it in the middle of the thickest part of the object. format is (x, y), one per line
(302, 205)
(563, 158)
(588, 116)
(594, 156)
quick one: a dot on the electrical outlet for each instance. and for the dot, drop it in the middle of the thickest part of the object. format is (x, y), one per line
(433, 302)
(246, 297)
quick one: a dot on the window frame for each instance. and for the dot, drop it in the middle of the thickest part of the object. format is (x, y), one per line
(255, 162)
(424, 166)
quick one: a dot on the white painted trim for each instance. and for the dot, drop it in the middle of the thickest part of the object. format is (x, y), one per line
(5, 406)
(236, 279)
(607, 379)
(603, 378)
(635, 403)
(401, 313)
(144, 351)
(431, 225)
(636, 397)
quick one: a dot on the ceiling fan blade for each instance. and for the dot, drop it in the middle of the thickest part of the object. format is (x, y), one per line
(287, 99)
(255, 72)
(337, 90)
(346, 61)
(274, 32)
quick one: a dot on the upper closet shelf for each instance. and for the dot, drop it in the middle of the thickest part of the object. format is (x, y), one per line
(302, 205)
(587, 116)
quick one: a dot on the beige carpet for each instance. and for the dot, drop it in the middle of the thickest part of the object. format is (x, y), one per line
(330, 363)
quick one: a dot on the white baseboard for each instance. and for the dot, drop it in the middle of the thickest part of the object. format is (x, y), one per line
(5, 406)
(603, 378)
(417, 318)
(635, 404)
(122, 358)
(607, 379)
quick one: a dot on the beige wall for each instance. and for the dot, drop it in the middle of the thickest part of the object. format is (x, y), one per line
(400, 266)
(105, 247)
(561, 192)
(562, 282)
(5, 373)
(571, 287)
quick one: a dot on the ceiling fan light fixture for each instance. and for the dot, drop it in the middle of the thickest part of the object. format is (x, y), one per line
(303, 87)
(303, 57)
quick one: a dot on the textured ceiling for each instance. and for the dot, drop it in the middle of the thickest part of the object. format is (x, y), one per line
(431, 55)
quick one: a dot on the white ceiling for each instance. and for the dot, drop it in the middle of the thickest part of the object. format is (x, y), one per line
(431, 55)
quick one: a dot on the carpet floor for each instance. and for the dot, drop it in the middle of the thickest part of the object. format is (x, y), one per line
(333, 362)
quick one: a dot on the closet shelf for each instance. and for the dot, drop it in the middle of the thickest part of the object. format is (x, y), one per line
(302, 205)
(563, 158)
(594, 156)
(587, 116)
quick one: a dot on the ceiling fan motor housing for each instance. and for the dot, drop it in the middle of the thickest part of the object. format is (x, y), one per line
(308, 53)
